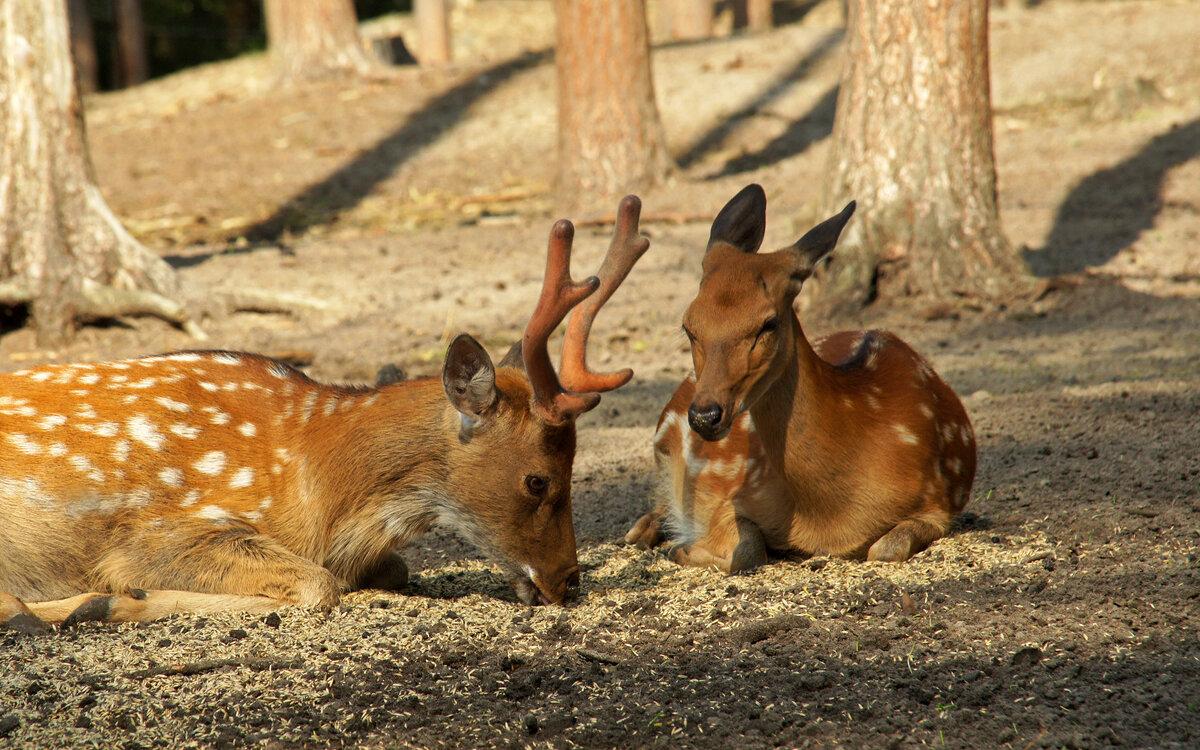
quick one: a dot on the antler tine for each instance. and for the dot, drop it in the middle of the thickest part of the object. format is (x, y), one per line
(559, 295)
(626, 248)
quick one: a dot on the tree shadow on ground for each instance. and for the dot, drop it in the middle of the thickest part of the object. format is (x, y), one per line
(714, 137)
(799, 136)
(343, 189)
(1107, 211)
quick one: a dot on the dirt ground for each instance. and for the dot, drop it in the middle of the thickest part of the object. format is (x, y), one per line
(1061, 612)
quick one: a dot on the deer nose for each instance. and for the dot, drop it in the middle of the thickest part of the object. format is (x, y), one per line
(704, 418)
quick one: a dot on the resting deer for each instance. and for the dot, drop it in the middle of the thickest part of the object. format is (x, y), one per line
(851, 446)
(206, 481)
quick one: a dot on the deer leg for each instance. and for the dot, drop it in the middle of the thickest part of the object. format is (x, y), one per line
(14, 615)
(751, 549)
(194, 568)
(732, 544)
(906, 539)
(390, 574)
(647, 532)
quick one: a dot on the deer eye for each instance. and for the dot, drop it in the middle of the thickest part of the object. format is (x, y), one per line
(769, 325)
(535, 485)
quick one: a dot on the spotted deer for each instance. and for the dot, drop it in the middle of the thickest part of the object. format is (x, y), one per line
(850, 446)
(207, 481)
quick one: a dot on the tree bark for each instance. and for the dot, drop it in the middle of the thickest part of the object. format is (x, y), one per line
(132, 67)
(912, 143)
(610, 137)
(433, 30)
(83, 46)
(691, 19)
(62, 251)
(755, 15)
(315, 39)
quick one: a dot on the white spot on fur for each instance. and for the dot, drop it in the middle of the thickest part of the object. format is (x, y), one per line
(954, 465)
(873, 402)
(927, 410)
(208, 386)
(227, 359)
(108, 429)
(190, 498)
(172, 404)
(57, 449)
(131, 398)
(51, 421)
(213, 513)
(310, 402)
(243, 477)
(211, 463)
(120, 450)
(248, 429)
(90, 379)
(906, 435)
(216, 416)
(41, 376)
(185, 430)
(144, 431)
(183, 357)
(330, 406)
(23, 444)
(964, 432)
(171, 477)
(85, 411)
(279, 370)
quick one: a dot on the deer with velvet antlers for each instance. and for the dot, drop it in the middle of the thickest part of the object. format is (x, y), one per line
(207, 481)
(850, 446)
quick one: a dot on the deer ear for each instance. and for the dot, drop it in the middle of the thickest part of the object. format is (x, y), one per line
(514, 358)
(819, 242)
(469, 378)
(743, 221)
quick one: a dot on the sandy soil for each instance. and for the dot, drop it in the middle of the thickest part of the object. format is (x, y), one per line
(1062, 611)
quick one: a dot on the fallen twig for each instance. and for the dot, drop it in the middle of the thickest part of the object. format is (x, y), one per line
(211, 665)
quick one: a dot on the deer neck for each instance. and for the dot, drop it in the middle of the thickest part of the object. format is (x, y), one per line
(370, 473)
(791, 411)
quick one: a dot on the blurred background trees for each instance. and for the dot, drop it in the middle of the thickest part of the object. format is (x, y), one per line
(63, 254)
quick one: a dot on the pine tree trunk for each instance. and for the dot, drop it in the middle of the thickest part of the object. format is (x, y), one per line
(912, 143)
(132, 67)
(433, 30)
(83, 47)
(62, 252)
(610, 137)
(756, 15)
(315, 39)
(691, 19)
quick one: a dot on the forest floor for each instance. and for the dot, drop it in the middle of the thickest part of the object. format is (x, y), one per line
(1061, 612)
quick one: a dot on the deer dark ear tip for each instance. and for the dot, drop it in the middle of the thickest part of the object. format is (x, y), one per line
(849, 209)
(631, 203)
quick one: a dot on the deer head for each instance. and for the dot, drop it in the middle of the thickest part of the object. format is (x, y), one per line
(741, 324)
(511, 466)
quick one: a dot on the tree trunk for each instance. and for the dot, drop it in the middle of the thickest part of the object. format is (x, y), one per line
(912, 143)
(755, 15)
(83, 47)
(62, 252)
(131, 43)
(433, 30)
(610, 138)
(315, 39)
(691, 19)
